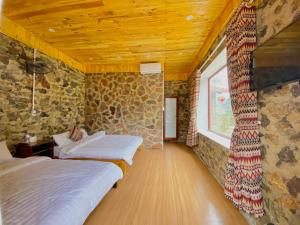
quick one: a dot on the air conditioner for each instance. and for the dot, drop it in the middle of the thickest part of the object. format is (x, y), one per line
(150, 68)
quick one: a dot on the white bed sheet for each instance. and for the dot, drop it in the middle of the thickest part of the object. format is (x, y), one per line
(56, 151)
(42, 191)
(103, 147)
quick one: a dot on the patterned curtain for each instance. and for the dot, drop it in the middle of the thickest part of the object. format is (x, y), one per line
(244, 170)
(192, 136)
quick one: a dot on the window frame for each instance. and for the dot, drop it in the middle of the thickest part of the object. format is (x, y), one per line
(209, 103)
(219, 62)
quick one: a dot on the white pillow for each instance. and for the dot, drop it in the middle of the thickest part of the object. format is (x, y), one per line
(85, 134)
(5, 154)
(62, 139)
(99, 134)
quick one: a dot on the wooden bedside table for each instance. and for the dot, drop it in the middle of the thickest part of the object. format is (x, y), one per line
(40, 148)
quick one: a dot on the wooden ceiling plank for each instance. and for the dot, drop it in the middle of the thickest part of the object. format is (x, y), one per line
(19, 33)
(126, 32)
(58, 9)
(218, 27)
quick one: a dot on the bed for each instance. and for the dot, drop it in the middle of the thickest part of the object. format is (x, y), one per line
(44, 191)
(119, 149)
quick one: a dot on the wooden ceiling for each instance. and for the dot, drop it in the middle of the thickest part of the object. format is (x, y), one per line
(116, 35)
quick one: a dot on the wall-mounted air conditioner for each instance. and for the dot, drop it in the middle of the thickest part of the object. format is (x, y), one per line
(150, 68)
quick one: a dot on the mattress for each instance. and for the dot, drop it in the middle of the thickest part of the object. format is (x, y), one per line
(43, 191)
(103, 147)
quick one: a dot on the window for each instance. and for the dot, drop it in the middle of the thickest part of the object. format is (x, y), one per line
(220, 115)
(215, 119)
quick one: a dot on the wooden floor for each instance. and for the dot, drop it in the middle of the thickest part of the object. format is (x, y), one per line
(166, 187)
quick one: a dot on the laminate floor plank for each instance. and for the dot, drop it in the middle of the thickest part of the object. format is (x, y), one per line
(166, 187)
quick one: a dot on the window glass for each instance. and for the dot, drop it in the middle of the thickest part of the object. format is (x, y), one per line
(220, 119)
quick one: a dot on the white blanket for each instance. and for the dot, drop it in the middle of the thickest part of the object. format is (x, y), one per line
(103, 147)
(42, 191)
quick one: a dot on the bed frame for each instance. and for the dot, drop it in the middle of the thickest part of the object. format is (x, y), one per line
(119, 162)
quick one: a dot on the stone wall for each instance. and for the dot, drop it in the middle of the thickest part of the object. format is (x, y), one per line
(213, 155)
(274, 15)
(60, 94)
(122, 103)
(279, 111)
(126, 103)
(180, 89)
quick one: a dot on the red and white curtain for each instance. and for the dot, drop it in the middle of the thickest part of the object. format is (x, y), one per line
(192, 136)
(244, 169)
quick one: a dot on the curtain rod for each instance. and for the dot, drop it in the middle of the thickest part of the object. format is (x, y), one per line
(255, 2)
(213, 52)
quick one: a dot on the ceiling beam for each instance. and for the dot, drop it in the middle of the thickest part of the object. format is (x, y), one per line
(218, 26)
(17, 32)
(112, 68)
(175, 76)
